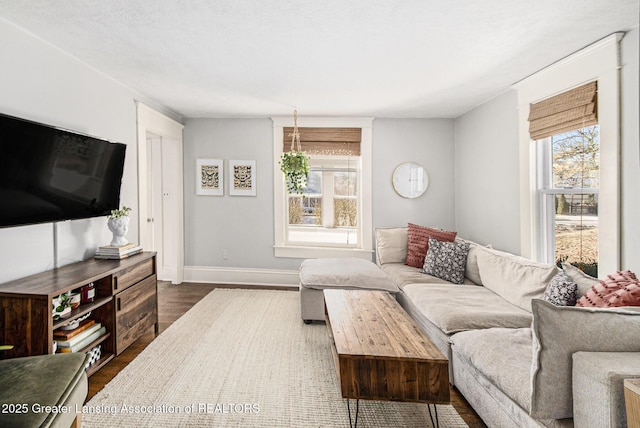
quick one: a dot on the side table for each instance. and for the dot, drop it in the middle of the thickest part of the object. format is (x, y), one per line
(632, 400)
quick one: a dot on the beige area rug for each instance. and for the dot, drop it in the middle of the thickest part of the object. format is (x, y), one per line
(242, 358)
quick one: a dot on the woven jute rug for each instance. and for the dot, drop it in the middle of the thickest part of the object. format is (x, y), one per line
(242, 358)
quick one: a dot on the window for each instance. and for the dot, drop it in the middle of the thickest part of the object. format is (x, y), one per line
(327, 212)
(594, 68)
(333, 216)
(568, 192)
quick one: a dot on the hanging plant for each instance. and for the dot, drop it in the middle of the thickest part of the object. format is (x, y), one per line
(295, 166)
(295, 163)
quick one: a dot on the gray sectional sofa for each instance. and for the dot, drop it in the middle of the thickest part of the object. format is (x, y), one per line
(511, 354)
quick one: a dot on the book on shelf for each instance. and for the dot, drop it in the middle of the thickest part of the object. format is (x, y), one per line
(113, 252)
(79, 337)
(68, 334)
(83, 343)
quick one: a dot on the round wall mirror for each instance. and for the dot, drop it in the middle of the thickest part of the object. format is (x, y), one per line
(410, 180)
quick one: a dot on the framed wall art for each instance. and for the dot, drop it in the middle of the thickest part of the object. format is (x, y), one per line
(242, 177)
(209, 177)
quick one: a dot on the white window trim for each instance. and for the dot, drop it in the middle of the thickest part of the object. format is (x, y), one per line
(598, 62)
(365, 250)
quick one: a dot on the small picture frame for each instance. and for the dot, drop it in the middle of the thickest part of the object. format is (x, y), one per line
(242, 177)
(209, 177)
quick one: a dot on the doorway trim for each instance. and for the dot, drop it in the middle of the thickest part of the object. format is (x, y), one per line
(151, 121)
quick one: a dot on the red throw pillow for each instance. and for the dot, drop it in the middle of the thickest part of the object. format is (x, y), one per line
(619, 289)
(418, 243)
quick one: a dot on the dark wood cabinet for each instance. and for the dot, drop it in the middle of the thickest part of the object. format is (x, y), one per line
(125, 303)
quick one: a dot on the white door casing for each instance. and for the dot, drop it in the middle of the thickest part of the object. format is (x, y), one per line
(171, 262)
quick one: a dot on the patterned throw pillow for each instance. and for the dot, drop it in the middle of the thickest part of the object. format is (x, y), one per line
(446, 260)
(418, 242)
(561, 291)
(619, 289)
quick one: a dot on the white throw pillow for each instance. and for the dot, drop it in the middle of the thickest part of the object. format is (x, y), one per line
(514, 278)
(391, 244)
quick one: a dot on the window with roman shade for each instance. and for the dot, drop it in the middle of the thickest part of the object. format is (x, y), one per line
(578, 92)
(565, 128)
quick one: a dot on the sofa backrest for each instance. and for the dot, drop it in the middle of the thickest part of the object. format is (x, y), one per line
(514, 278)
(560, 331)
(391, 247)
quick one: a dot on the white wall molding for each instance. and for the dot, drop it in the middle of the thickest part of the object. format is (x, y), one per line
(241, 276)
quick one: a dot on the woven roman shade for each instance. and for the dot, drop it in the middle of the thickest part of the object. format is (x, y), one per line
(326, 141)
(574, 109)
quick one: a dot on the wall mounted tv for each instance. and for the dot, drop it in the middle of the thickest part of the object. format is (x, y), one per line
(49, 174)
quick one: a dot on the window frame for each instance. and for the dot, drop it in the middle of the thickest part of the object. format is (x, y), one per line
(280, 197)
(598, 62)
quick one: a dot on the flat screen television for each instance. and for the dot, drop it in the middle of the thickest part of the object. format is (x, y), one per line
(49, 174)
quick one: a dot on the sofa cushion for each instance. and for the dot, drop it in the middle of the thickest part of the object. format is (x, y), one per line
(403, 275)
(502, 356)
(584, 281)
(561, 291)
(391, 244)
(619, 289)
(345, 273)
(559, 332)
(446, 260)
(454, 308)
(418, 242)
(514, 278)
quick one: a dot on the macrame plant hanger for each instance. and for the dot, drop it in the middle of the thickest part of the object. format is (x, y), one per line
(295, 135)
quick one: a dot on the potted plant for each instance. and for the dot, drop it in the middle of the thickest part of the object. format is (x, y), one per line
(61, 306)
(295, 166)
(118, 222)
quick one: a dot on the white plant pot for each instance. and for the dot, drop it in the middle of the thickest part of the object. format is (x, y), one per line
(118, 226)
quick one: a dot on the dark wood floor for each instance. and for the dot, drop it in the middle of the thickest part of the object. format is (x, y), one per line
(173, 302)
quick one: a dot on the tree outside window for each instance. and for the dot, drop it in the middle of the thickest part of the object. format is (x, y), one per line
(573, 187)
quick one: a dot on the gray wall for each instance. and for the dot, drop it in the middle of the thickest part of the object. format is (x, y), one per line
(487, 176)
(244, 225)
(428, 142)
(40, 83)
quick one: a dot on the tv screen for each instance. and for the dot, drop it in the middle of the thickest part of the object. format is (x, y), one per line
(48, 174)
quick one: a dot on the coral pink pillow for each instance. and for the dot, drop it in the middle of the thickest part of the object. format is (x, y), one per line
(418, 242)
(619, 289)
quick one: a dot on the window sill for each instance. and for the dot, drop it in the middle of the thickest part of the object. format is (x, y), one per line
(321, 252)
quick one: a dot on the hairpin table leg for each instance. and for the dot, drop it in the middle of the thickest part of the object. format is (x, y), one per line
(435, 409)
(355, 424)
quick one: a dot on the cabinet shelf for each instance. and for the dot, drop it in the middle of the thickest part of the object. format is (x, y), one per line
(81, 310)
(99, 364)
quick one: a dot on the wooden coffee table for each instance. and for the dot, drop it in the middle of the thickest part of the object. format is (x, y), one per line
(379, 351)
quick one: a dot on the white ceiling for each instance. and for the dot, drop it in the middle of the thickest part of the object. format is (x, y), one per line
(259, 58)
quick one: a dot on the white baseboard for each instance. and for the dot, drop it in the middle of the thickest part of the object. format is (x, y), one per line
(241, 276)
